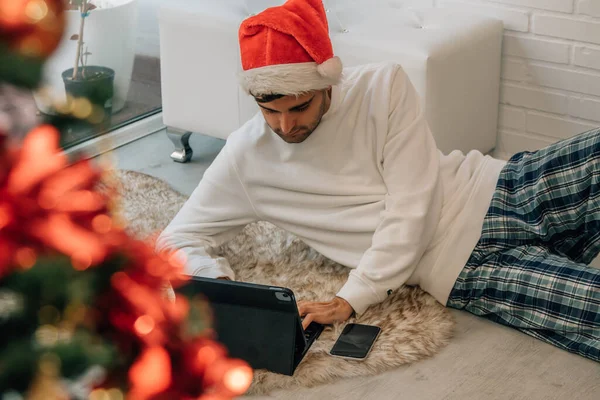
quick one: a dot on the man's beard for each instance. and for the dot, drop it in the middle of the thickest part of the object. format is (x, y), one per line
(301, 133)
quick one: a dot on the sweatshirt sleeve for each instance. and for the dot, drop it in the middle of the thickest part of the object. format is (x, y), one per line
(410, 169)
(217, 210)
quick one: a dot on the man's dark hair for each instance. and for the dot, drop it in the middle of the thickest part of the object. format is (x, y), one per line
(267, 98)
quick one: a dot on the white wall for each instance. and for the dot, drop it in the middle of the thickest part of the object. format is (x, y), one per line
(550, 72)
(551, 63)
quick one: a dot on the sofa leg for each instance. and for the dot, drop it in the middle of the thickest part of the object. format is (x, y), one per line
(181, 139)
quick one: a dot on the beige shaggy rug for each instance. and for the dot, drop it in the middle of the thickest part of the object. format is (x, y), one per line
(414, 325)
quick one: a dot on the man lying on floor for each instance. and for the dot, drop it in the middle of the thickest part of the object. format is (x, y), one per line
(347, 163)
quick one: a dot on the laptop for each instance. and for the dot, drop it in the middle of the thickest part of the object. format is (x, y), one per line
(257, 323)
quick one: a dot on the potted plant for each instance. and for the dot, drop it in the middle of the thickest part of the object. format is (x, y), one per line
(96, 83)
(109, 40)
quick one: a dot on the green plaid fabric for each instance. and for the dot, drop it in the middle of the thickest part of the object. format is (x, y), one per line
(530, 269)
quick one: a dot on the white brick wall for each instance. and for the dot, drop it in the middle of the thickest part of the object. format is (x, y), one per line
(550, 72)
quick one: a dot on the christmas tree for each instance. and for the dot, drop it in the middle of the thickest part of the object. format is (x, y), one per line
(85, 310)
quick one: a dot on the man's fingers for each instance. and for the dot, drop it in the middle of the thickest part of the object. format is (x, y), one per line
(321, 312)
(305, 307)
(301, 308)
(322, 316)
(307, 320)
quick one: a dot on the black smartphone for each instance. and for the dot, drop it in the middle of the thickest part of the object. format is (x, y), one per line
(355, 341)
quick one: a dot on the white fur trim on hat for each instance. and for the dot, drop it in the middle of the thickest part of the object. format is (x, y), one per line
(291, 79)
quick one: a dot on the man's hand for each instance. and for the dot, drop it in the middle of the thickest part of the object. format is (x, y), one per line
(336, 310)
(224, 278)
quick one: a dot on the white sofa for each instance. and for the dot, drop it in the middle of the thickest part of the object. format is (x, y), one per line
(452, 58)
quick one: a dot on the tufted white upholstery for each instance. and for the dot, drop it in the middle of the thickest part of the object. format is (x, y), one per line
(453, 60)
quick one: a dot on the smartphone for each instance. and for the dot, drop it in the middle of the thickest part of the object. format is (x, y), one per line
(355, 341)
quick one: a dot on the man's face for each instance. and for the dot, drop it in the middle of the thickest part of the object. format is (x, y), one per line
(294, 118)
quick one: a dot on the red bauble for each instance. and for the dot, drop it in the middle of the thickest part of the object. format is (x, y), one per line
(32, 28)
(48, 205)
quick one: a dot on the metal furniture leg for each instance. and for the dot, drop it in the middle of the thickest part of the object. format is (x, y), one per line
(180, 138)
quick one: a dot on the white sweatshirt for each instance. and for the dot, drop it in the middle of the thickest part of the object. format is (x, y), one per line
(368, 189)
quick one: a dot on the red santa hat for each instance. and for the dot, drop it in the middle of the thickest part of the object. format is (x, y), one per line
(287, 50)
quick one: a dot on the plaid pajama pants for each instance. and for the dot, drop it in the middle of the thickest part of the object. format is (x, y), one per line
(529, 269)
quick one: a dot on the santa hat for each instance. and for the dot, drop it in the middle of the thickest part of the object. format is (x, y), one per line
(287, 50)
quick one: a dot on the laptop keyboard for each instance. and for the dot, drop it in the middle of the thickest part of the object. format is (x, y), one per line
(311, 331)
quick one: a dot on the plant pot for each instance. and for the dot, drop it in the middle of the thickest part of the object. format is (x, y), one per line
(97, 85)
(110, 35)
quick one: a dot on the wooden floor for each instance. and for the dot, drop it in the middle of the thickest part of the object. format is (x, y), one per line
(484, 361)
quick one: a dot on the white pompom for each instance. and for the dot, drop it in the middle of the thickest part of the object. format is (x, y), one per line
(331, 68)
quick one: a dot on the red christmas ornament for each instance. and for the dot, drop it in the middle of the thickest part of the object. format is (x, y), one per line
(32, 28)
(48, 205)
(151, 374)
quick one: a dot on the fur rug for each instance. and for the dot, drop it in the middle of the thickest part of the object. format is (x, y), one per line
(414, 325)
